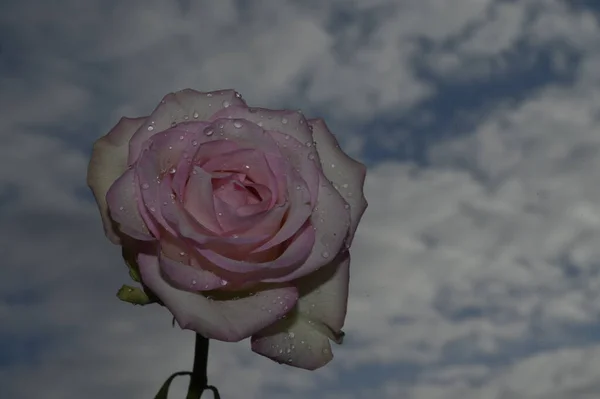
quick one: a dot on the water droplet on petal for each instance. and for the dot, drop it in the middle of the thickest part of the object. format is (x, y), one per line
(194, 143)
(308, 143)
(247, 166)
(209, 132)
(291, 334)
(173, 124)
(238, 95)
(185, 117)
(237, 124)
(172, 170)
(150, 128)
(194, 282)
(181, 253)
(145, 186)
(224, 283)
(325, 351)
(325, 254)
(121, 208)
(226, 104)
(311, 156)
(284, 120)
(196, 115)
(333, 165)
(208, 94)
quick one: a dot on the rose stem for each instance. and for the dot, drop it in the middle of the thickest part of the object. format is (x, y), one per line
(199, 378)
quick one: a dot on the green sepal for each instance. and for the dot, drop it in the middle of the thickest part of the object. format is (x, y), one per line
(134, 295)
(134, 271)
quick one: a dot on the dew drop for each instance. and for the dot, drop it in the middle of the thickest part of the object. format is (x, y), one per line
(196, 115)
(209, 132)
(145, 186)
(247, 166)
(238, 95)
(284, 120)
(226, 104)
(223, 283)
(181, 253)
(333, 165)
(185, 117)
(325, 254)
(298, 187)
(121, 208)
(173, 124)
(288, 350)
(311, 156)
(172, 170)
(260, 123)
(237, 124)
(194, 282)
(209, 95)
(194, 143)
(291, 334)
(150, 128)
(308, 143)
(325, 351)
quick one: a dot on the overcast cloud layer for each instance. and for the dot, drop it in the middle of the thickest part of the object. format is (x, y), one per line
(476, 270)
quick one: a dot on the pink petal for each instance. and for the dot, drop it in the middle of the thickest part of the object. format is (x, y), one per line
(302, 339)
(347, 174)
(228, 320)
(187, 277)
(286, 122)
(199, 201)
(304, 159)
(108, 163)
(331, 221)
(122, 199)
(292, 257)
(294, 342)
(300, 209)
(182, 106)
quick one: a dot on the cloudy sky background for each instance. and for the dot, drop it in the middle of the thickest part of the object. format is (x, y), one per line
(476, 270)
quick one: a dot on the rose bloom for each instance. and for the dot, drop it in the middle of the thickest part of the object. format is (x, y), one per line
(240, 219)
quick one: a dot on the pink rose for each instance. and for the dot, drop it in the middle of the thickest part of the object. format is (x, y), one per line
(241, 219)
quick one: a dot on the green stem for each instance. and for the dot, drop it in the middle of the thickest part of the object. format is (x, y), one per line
(198, 378)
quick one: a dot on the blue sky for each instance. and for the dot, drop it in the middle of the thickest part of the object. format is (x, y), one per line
(475, 269)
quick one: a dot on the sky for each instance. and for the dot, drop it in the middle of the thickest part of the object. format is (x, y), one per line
(476, 269)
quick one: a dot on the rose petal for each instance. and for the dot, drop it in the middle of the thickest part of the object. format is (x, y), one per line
(226, 320)
(324, 293)
(302, 339)
(108, 163)
(292, 257)
(182, 106)
(347, 174)
(188, 277)
(287, 122)
(300, 209)
(199, 201)
(122, 199)
(330, 221)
